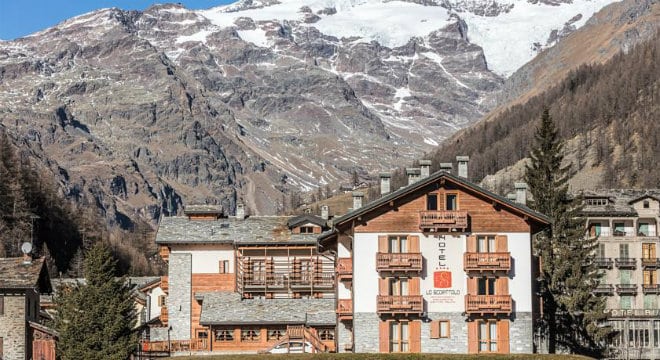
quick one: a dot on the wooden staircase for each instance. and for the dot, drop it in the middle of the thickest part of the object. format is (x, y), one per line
(303, 334)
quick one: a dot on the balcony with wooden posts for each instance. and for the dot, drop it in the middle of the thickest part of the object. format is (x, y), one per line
(487, 261)
(650, 288)
(345, 269)
(345, 309)
(172, 346)
(626, 289)
(399, 304)
(399, 262)
(603, 263)
(443, 220)
(625, 263)
(651, 263)
(488, 304)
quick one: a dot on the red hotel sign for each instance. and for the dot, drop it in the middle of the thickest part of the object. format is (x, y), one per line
(442, 279)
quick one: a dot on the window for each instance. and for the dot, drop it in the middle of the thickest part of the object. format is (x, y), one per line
(398, 244)
(650, 277)
(326, 334)
(306, 229)
(596, 202)
(224, 335)
(398, 286)
(258, 270)
(645, 204)
(639, 334)
(162, 300)
(223, 266)
(451, 203)
(656, 333)
(624, 276)
(250, 334)
(276, 334)
(648, 251)
(626, 302)
(485, 243)
(440, 329)
(486, 286)
(600, 251)
(619, 229)
(432, 202)
(623, 251)
(487, 336)
(2, 305)
(619, 339)
(650, 302)
(202, 334)
(643, 229)
(596, 229)
(399, 336)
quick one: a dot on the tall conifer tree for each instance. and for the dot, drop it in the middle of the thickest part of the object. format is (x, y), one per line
(96, 320)
(572, 316)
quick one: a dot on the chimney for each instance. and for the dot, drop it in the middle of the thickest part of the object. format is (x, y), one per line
(521, 192)
(357, 199)
(325, 212)
(511, 196)
(462, 166)
(425, 166)
(446, 167)
(385, 183)
(413, 175)
(240, 211)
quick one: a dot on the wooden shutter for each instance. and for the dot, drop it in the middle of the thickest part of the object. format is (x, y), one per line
(472, 286)
(503, 336)
(221, 267)
(413, 288)
(471, 243)
(413, 243)
(652, 251)
(435, 329)
(473, 337)
(502, 286)
(382, 244)
(415, 336)
(501, 243)
(383, 286)
(384, 337)
(647, 277)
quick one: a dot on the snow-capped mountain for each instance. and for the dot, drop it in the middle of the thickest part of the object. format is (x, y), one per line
(134, 111)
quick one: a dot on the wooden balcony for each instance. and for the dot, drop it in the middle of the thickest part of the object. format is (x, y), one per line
(629, 289)
(407, 304)
(165, 284)
(603, 263)
(651, 289)
(625, 263)
(345, 269)
(175, 345)
(492, 261)
(650, 263)
(446, 220)
(163, 315)
(488, 304)
(345, 309)
(604, 289)
(406, 262)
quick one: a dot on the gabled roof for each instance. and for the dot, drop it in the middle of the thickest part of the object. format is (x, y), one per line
(522, 209)
(645, 196)
(305, 219)
(16, 274)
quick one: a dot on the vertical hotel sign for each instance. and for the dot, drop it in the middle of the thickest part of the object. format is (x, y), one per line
(444, 285)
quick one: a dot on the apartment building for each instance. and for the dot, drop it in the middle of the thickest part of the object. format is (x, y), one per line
(439, 266)
(626, 224)
(243, 283)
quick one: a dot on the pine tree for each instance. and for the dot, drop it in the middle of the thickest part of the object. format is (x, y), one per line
(96, 319)
(572, 316)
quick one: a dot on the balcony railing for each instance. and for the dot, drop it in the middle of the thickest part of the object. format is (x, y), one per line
(399, 262)
(405, 304)
(175, 345)
(651, 289)
(446, 219)
(650, 263)
(345, 309)
(603, 263)
(628, 263)
(604, 289)
(493, 261)
(345, 268)
(488, 304)
(626, 289)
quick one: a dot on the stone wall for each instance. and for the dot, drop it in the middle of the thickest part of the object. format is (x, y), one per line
(12, 328)
(521, 333)
(365, 330)
(343, 337)
(158, 333)
(457, 341)
(179, 300)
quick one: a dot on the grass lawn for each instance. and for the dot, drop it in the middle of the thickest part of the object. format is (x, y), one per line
(384, 356)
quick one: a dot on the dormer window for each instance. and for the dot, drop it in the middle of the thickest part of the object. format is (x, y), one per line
(596, 202)
(646, 204)
(306, 229)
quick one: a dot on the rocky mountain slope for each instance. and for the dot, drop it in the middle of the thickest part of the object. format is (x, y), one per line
(140, 112)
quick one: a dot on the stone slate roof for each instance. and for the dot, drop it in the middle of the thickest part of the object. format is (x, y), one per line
(620, 201)
(306, 219)
(202, 209)
(253, 230)
(225, 308)
(15, 274)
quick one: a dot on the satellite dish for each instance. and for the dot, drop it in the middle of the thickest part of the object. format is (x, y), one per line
(26, 248)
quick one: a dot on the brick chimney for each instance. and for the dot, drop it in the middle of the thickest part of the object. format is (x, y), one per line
(357, 199)
(463, 166)
(385, 181)
(425, 168)
(521, 192)
(446, 167)
(413, 174)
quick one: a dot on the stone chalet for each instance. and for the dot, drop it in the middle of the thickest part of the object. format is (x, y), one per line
(22, 336)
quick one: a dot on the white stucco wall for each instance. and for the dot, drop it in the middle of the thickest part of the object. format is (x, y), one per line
(365, 276)
(205, 258)
(154, 309)
(520, 283)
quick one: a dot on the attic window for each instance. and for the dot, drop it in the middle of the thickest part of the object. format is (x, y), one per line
(306, 229)
(646, 204)
(596, 202)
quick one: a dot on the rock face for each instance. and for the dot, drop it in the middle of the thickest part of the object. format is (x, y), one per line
(141, 112)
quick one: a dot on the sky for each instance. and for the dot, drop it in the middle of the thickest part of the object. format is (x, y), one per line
(23, 17)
